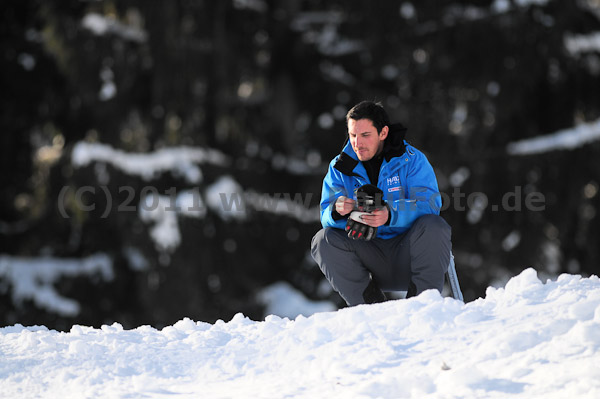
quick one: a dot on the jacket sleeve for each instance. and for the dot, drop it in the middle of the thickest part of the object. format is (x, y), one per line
(333, 188)
(422, 196)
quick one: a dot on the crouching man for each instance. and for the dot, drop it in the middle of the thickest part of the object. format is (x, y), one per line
(380, 214)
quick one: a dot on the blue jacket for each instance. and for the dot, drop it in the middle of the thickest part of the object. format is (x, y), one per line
(406, 179)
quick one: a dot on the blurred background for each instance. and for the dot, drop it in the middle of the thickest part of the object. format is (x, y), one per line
(164, 159)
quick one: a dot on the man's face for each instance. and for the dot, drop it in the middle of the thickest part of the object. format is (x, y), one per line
(365, 140)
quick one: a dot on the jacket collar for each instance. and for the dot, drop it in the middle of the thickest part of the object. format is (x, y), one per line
(392, 147)
(394, 144)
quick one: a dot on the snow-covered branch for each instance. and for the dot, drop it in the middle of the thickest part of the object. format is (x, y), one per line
(562, 140)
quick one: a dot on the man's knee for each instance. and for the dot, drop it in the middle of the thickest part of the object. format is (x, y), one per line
(326, 237)
(323, 240)
(434, 225)
(317, 239)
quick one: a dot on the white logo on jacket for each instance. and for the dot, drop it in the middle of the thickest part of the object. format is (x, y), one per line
(393, 181)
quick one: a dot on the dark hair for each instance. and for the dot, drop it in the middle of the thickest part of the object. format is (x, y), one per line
(372, 111)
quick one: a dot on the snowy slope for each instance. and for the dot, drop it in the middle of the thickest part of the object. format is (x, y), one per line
(527, 340)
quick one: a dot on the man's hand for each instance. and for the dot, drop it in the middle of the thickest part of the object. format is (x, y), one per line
(377, 218)
(369, 198)
(344, 205)
(370, 211)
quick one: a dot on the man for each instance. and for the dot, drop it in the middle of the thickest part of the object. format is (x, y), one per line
(380, 214)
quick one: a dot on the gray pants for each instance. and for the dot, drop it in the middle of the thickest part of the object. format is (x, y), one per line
(414, 261)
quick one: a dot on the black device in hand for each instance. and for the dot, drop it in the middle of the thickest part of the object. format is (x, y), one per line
(368, 199)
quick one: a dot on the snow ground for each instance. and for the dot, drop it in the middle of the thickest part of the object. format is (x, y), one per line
(526, 340)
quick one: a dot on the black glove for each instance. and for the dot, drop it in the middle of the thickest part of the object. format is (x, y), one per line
(358, 230)
(368, 198)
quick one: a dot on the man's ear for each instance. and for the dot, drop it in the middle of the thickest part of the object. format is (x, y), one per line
(384, 132)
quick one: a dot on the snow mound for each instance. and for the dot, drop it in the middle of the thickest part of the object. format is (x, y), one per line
(526, 340)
